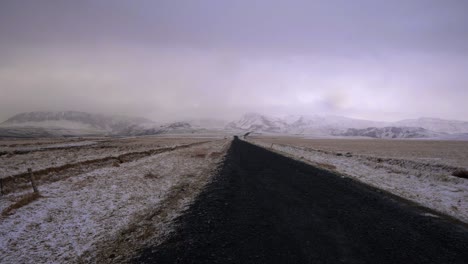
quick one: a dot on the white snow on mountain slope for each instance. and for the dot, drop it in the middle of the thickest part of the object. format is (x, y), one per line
(299, 124)
(391, 132)
(257, 122)
(328, 124)
(96, 121)
(53, 123)
(319, 125)
(71, 123)
(436, 124)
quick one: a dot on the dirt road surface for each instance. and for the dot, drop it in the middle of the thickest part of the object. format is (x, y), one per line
(266, 208)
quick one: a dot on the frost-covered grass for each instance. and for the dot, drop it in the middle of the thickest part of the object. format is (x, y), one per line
(73, 152)
(74, 217)
(427, 183)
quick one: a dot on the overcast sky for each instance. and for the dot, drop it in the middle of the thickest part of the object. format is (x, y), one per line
(165, 60)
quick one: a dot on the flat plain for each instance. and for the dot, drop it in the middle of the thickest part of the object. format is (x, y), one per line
(98, 199)
(454, 153)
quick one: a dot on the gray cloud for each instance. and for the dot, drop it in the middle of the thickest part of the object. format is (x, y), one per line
(176, 59)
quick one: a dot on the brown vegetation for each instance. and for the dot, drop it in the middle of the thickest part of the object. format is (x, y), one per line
(215, 154)
(23, 201)
(16, 182)
(151, 175)
(199, 153)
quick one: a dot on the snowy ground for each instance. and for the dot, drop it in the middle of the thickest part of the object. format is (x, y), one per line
(81, 218)
(55, 154)
(425, 182)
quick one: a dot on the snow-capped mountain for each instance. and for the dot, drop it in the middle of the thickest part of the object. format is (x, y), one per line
(436, 124)
(145, 130)
(315, 124)
(74, 120)
(391, 132)
(300, 124)
(343, 126)
(257, 122)
(72, 123)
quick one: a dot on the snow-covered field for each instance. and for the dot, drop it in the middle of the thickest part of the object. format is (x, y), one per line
(59, 154)
(83, 218)
(425, 178)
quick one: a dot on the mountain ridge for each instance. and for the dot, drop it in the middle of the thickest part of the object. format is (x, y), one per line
(74, 123)
(338, 125)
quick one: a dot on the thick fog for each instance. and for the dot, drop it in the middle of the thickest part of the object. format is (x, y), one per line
(166, 60)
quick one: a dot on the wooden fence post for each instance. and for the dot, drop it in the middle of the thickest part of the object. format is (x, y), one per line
(1, 186)
(33, 183)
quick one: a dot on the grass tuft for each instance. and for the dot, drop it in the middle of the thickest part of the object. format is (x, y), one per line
(151, 175)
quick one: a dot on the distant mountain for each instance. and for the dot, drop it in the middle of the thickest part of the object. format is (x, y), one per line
(317, 125)
(326, 125)
(74, 120)
(72, 123)
(257, 122)
(145, 130)
(391, 132)
(300, 124)
(207, 123)
(436, 124)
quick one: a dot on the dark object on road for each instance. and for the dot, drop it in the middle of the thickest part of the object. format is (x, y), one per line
(266, 208)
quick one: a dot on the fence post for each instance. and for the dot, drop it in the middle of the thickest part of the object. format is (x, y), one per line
(1, 186)
(33, 183)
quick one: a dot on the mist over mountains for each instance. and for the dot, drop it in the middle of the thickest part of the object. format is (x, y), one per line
(72, 123)
(343, 126)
